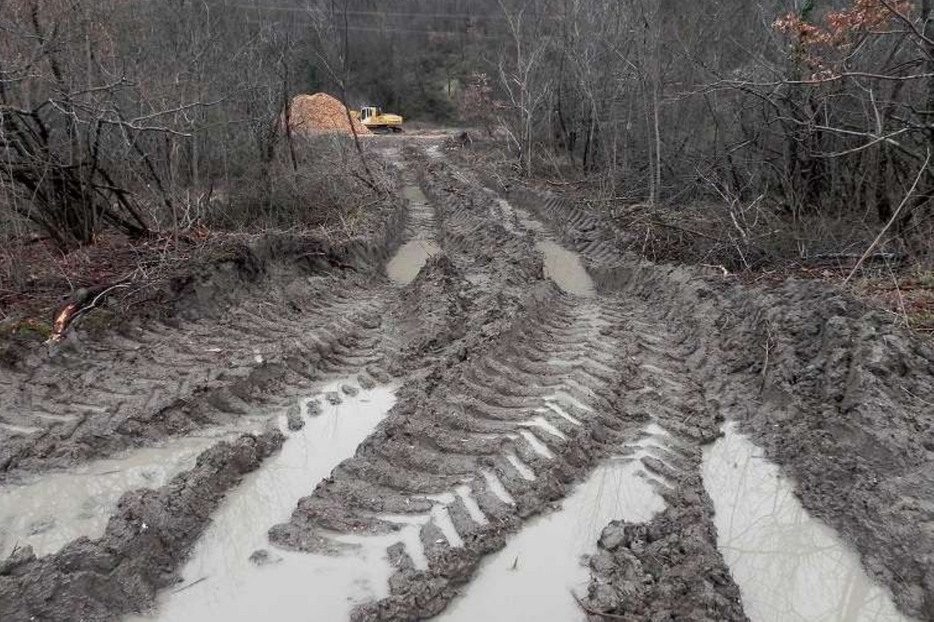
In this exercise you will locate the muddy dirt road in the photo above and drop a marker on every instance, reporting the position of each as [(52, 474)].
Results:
[(484, 409)]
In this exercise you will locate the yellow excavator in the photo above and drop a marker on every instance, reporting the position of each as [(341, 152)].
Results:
[(378, 121)]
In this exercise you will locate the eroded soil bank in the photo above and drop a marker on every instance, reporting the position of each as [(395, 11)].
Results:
[(521, 374)]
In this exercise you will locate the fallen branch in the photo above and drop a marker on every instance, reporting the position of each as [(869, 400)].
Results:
[(82, 303), (659, 223), (192, 584), (895, 215)]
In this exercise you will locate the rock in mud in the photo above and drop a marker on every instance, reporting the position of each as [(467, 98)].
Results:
[(146, 541), (613, 535), (314, 408), (334, 398), (379, 375), (263, 557), (349, 390), (294, 418)]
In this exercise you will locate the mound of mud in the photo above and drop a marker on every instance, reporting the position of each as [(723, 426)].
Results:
[(668, 568), (321, 113)]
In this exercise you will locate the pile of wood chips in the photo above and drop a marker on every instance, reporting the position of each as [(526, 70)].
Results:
[(321, 113)]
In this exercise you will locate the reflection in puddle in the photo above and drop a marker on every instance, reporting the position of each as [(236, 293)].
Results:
[(220, 581), (50, 510), (532, 578), (565, 269), (788, 565)]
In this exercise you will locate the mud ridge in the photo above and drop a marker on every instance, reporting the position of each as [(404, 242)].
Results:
[(146, 540), (836, 394), (541, 387), (668, 568)]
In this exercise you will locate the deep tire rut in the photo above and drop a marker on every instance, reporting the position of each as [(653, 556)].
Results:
[(511, 392), (163, 380), (544, 387)]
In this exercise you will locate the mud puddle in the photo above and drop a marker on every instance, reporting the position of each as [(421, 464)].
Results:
[(565, 269), (410, 259), (50, 510), (562, 266), (221, 582), (788, 565), (532, 578), (411, 256)]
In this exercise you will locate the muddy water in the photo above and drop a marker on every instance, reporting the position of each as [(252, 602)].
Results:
[(788, 565), (409, 260), (220, 581), (53, 509), (565, 269), (411, 256), (532, 578), (562, 266)]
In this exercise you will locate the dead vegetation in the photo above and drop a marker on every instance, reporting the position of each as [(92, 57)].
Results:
[(326, 196), (754, 241)]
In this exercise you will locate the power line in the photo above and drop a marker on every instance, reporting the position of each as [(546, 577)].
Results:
[(375, 13), (379, 29), (426, 32)]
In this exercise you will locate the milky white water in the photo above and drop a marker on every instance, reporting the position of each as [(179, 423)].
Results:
[(410, 259), (220, 583), (532, 578), (789, 566), (50, 510)]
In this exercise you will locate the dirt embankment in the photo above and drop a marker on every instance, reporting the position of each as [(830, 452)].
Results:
[(195, 349)]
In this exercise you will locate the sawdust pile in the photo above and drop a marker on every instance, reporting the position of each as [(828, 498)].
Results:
[(319, 113)]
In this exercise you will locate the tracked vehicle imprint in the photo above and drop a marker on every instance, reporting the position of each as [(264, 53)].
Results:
[(484, 411), (234, 574), (537, 574), (405, 265)]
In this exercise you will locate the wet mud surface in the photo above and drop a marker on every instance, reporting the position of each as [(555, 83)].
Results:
[(551, 396), (146, 539)]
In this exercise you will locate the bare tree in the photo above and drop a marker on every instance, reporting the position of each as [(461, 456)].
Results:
[(522, 75)]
